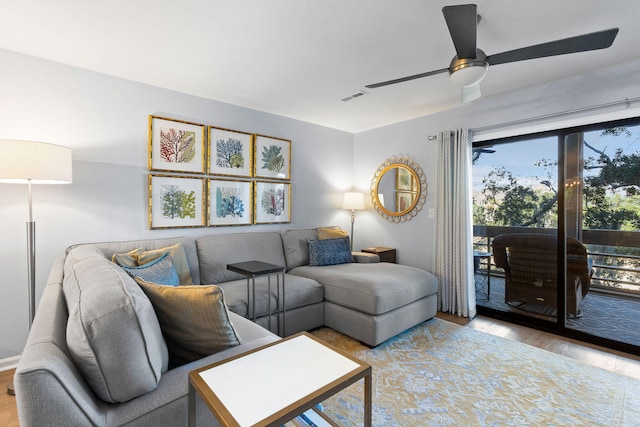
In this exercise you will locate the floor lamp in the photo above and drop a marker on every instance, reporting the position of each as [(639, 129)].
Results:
[(28, 162), (353, 201)]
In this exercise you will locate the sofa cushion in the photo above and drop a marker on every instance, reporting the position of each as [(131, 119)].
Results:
[(296, 249), (371, 288), (216, 251), (160, 270), (300, 292), (329, 252), (113, 334), (140, 256), (194, 319)]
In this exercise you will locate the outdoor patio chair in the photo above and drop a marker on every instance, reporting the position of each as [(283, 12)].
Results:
[(530, 267)]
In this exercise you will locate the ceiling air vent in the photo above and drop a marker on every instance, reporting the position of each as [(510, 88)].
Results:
[(358, 94)]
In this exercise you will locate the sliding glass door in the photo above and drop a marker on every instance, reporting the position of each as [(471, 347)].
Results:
[(557, 231), (515, 226), (602, 212)]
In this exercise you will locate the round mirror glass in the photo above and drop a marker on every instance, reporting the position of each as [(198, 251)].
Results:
[(398, 189)]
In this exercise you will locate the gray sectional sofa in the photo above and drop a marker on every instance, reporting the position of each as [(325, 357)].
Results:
[(96, 355)]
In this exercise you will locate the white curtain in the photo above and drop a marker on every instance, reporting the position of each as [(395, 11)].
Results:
[(454, 225)]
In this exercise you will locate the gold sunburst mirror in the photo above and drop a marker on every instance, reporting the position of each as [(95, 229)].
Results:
[(398, 189)]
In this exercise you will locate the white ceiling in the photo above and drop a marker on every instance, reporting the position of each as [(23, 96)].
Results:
[(299, 58)]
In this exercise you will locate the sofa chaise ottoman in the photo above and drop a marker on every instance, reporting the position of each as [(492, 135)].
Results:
[(370, 302)]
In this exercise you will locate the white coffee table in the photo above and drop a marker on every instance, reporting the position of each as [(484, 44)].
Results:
[(277, 382)]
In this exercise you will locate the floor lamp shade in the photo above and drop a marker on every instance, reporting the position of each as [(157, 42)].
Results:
[(38, 162)]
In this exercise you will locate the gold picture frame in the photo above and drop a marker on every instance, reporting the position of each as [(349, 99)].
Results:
[(176, 201), (230, 152), (230, 202), (272, 202), (176, 146), (272, 158)]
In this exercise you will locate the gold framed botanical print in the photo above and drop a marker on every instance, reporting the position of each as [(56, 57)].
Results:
[(230, 202), (230, 152), (176, 201), (272, 158), (176, 146), (272, 202)]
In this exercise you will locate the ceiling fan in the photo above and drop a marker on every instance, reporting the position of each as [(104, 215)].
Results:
[(470, 65)]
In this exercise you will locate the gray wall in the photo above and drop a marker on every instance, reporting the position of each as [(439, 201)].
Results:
[(104, 120)]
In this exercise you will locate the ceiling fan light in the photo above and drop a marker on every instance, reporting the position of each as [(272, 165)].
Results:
[(469, 71), (469, 75)]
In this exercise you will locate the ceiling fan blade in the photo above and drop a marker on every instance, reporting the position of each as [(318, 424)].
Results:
[(583, 43), (470, 93), (405, 79), (462, 21)]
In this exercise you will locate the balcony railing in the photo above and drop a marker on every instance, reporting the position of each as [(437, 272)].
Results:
[(616, 255)]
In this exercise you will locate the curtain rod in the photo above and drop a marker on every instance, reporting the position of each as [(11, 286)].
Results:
[(626, 102)]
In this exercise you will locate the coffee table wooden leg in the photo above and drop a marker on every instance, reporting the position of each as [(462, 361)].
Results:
[(192, 406), (367, 401)]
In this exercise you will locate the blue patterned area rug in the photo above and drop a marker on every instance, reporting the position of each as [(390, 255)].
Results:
[(442, 374)]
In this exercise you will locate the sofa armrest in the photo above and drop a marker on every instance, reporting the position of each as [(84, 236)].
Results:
[(365, 258)]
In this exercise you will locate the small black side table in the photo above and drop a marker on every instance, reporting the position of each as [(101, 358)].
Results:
[(253, 269), (477, 258)]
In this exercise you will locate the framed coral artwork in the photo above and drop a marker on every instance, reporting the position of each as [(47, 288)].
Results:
[(230, 202), (272, 202), (176, 201), (272, 158), (176, 146), (230, 152)]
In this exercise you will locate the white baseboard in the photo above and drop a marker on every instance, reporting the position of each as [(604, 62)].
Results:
[(9, 363)]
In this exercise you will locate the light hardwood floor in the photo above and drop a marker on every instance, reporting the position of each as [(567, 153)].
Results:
[(593, 355), (611, 360), (8, 411)]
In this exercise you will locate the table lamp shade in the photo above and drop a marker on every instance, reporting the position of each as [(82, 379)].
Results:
[(353, 201), (42, 163)]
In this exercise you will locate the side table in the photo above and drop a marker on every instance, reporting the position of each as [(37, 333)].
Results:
[(385, 254), (253, 269), (477, 259)]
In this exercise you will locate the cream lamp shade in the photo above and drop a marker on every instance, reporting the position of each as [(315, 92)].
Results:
[(38, 162), (353, 201)]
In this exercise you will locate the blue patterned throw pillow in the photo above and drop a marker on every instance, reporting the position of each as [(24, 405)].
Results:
[(329, 252), (160, 271)]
